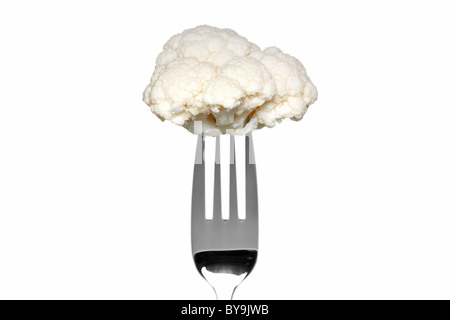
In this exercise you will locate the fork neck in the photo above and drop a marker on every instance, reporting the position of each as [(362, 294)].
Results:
[(224, 291)]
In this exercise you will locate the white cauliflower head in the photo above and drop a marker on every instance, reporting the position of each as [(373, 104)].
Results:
[(219, 78)]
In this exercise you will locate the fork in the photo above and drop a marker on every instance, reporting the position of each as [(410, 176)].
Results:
[(224, 245)]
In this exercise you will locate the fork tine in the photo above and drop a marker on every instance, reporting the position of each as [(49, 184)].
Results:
[(209, 144), (217, 203), (233, 181), (226, 162), (250, 182), (198, 188), (239, 156)]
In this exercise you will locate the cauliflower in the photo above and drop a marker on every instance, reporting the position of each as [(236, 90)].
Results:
[(219, 78)]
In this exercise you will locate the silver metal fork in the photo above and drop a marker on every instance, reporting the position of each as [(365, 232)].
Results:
[(225, 248)]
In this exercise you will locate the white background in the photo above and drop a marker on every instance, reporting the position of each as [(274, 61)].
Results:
[(95, 190)]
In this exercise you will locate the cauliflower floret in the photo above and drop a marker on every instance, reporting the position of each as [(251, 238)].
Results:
[(219, 78)]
